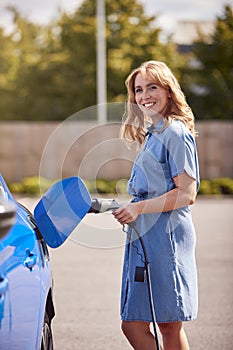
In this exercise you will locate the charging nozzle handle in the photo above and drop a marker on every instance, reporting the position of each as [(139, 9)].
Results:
[(103, 205)]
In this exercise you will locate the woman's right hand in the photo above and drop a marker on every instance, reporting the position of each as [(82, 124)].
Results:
[(127, 212)]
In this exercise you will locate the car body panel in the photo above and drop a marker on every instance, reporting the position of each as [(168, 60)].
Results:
[(25, 270)]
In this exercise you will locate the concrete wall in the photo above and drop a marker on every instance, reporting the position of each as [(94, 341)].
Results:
[(56, 150)]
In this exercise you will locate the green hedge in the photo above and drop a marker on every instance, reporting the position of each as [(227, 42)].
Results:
[(106, 186), (37, 185), (222, 185), (31, 185)]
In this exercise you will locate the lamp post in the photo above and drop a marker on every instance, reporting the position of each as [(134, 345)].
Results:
[(101, 62)]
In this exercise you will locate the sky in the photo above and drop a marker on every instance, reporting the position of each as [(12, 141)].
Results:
[(168, 12)]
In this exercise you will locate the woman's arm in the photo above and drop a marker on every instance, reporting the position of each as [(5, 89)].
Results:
[(183, 194)]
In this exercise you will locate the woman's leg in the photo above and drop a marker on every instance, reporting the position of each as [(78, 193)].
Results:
[(139, 335), (174, 337)]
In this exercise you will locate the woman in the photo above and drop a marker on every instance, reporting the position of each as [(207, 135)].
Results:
[(164, 182)]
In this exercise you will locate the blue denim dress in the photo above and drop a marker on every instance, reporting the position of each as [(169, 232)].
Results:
[(169, 237)]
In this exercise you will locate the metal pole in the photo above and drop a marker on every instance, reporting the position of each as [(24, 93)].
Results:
[(101, 62)]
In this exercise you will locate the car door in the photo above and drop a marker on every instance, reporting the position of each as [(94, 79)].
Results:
[(20, 281)]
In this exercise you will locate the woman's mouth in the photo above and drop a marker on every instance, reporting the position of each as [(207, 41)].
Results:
[(149, 104)]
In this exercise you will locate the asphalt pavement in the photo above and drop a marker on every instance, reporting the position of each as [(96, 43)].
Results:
[(87, 279)]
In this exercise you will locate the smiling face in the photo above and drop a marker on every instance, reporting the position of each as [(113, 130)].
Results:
[(151, 98)]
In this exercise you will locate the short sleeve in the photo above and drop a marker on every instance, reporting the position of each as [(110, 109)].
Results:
[(182, 155)]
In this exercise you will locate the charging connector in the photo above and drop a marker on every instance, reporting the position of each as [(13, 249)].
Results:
[(103, 205)]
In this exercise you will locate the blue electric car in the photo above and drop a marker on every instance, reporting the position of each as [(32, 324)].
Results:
[(26, 291)]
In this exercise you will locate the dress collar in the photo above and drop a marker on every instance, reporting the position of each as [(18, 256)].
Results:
[(153, 128)]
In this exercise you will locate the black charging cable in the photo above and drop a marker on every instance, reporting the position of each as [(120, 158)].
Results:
[(148, 277), (103, 205)]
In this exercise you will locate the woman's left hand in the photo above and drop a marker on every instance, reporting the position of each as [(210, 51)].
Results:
[(127, 213)]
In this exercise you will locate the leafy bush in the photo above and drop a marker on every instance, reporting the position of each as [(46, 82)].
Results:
[(222, 185), (206, 187), (105, 186), (31, 185), (37, 185)]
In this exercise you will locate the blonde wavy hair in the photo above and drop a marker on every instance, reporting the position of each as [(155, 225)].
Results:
[(133, 128)]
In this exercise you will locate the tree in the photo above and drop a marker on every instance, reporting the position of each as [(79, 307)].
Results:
[(210, 83), (133, 37), (7, 74), (23, 49), (55, 67)]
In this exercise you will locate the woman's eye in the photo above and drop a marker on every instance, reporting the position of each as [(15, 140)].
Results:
[(153, 87), (137, 90)]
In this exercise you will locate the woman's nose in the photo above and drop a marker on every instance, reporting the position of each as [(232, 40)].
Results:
[(146, 94)]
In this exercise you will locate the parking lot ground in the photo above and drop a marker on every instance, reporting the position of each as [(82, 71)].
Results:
[(87, 278)]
